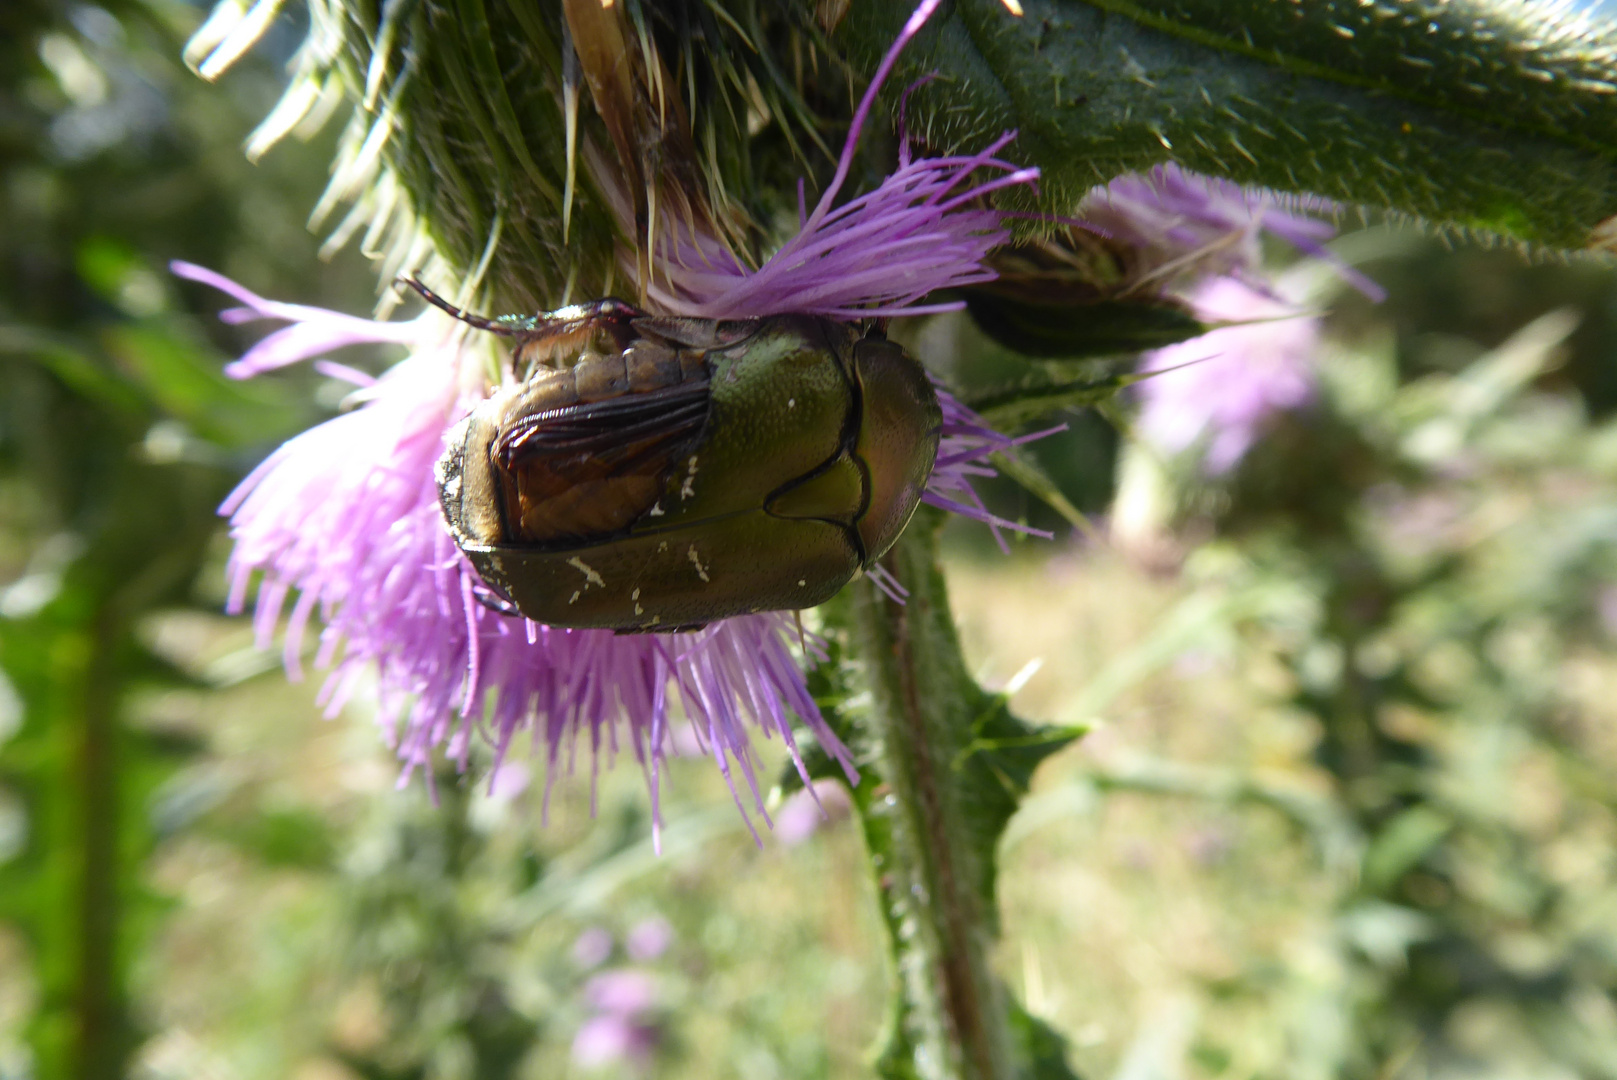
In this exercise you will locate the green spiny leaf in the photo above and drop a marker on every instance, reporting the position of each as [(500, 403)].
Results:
[(1494, 116)]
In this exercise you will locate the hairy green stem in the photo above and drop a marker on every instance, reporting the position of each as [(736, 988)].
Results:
[(922, 723)]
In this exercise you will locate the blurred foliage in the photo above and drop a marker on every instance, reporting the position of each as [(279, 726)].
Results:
[(1419, 570), (118, 438), (1432, 558)]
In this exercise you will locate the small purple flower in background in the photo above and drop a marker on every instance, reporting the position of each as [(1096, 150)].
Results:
[(1218, 391), (622, 990), (592, 948), (809, 810), (648, 939), (609, 1038), (624, 1024), (624, 1005)]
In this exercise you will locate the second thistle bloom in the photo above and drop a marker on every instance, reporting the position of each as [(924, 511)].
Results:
[(1200, 238)]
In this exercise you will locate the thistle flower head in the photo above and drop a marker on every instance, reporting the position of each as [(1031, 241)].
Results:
[(925, 228), (1182, 227), (343, 522)]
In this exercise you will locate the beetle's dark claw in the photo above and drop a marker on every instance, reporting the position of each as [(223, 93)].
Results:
[(495, 601)]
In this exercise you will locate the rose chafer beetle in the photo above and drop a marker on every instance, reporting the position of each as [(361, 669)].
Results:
[(655, 473)]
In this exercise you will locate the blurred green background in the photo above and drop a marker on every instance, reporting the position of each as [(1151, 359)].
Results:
[(1348, 809)]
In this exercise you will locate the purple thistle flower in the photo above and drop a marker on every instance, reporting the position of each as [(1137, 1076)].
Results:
[(622, 990), (346, 517), (1220, 390), (592, 948), (1183, 226), (612, 1037), (923, 229), (648, 939), (623, 1025)]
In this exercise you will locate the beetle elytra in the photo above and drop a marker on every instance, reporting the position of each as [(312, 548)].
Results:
[(655, 473)]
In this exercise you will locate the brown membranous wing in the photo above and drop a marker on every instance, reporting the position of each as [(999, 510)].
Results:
[(591, 470)]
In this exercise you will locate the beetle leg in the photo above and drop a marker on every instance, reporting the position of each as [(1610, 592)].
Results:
[(494, 600), (802, 640), (555, 332), (549, 333)]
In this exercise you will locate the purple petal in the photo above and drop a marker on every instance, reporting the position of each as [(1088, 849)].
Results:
[(347, 515), (625, 991), (648, 939), (1223, 388), (602, 1040), (921, 230), (1187, 227), (593, 948), (968, 443), (314, 331)]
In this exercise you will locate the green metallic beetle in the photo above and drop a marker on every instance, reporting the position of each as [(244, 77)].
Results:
[(655, 473)]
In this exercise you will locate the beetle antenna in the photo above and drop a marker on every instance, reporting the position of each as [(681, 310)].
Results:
[(802, 642), (481, 322), (879, 326)]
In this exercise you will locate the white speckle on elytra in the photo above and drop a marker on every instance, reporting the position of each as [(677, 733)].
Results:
[(590, 576), (638, 610), (574, 598), (688, 488), (802, 583), (452, 487), (498, 564), (655, 619), (656, 509), (701, 571), (635, 595), (791, 403), (663, 546)]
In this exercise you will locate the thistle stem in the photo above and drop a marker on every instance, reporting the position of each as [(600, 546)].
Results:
[(940, 919)]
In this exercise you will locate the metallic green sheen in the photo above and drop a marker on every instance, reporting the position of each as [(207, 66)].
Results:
[(775, 507)]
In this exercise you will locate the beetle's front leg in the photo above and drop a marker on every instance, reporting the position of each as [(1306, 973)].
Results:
[(547, 334), (495, 600)]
